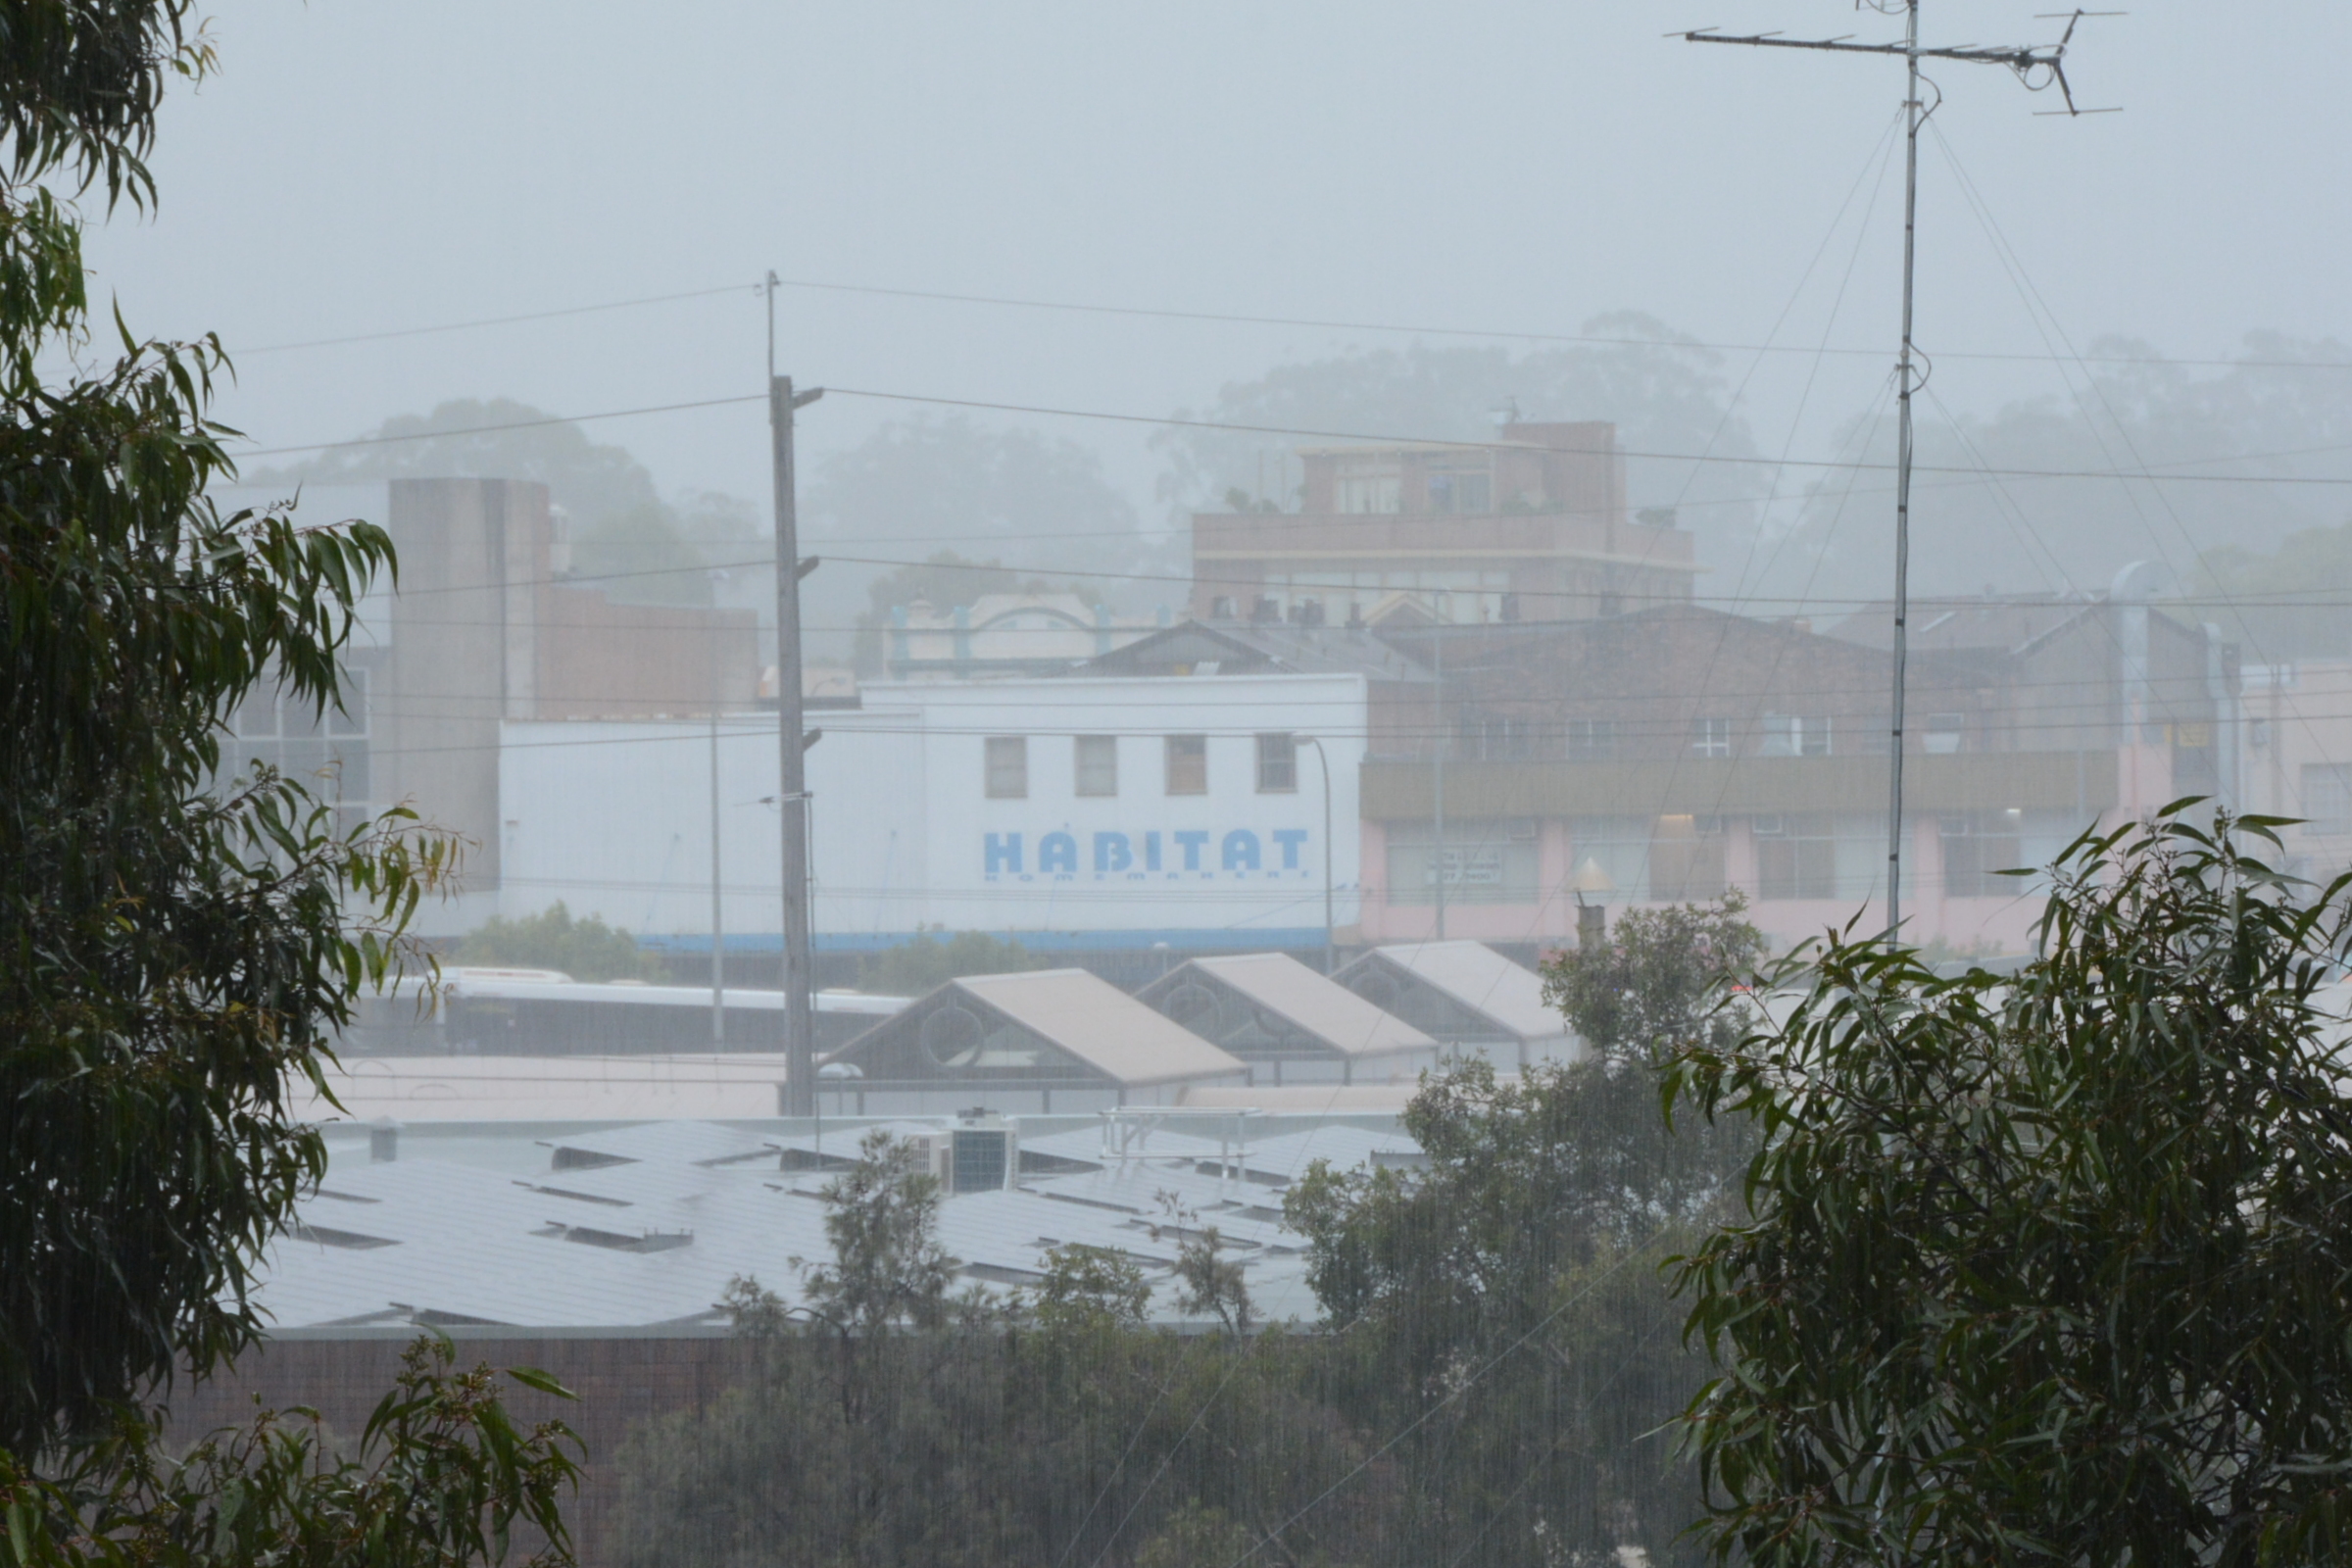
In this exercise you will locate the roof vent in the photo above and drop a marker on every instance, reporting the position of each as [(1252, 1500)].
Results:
[(644, 1242), (323, 1236)]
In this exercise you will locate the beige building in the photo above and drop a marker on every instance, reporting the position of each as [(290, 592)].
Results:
[(1531, 527), (2298, 758)]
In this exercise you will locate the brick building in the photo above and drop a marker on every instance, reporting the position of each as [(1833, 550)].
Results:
[(1682, 751), (1532, 526)]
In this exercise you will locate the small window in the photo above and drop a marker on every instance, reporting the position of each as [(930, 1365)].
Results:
[(1492, 738), (1007, 767), (352, 717), (2326, 798), (1592, 740), (1187, 765), (1098, 765), (1944, 733), (1277, 764), (1458, 490), (257, 714), (1794, 735), (1978, 846), (1711, 737)]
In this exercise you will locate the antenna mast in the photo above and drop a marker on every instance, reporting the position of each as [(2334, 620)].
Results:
[(2038, 69)]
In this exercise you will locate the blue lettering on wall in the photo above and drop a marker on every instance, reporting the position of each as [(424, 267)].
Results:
[(1241, 850), (1111, 852), (1003, 853), (1290, 838)]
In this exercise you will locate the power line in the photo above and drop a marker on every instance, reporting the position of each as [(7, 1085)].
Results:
[(1231, 317), (509, 425), (1343, 326), (2149, 472), (495, 321), (689, 728), (1966, 673)]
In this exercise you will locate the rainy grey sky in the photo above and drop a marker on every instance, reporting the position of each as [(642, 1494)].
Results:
[(1509, 166)]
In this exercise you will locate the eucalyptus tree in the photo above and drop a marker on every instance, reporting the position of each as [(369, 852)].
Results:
[(1504, 1305), (177, 949), (2053, 1267), (174, 947)]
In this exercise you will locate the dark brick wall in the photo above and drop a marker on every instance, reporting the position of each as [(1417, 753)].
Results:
[(620, 1382)]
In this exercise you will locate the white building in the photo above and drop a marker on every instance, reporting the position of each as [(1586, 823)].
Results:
[(1083, 812)]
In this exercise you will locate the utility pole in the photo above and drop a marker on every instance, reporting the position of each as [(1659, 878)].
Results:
[(2038, 69), (792, 784), (719, 960), (1439, 782)]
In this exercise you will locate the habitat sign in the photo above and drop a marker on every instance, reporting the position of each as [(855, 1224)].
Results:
[(1192, 855)]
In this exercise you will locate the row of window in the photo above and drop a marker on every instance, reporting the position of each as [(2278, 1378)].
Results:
[(1095, 766), (1676, 857), (1498, 738), (327, 753)]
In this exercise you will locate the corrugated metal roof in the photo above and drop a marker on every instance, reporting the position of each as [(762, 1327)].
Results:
[(460, 984), (1087, 1143), (609, 1247), (1331, 1014), (1304, 1100), (689, 1143), (1102, 1026), (1483, 981), (616, 1088)]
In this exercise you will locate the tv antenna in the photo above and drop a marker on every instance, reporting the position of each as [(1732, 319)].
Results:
[(2040, 67)]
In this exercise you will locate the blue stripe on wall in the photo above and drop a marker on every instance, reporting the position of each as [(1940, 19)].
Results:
[(1183, 941)]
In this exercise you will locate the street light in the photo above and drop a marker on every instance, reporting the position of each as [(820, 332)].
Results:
[(1592, 919), (1330, 948), (719, 940)]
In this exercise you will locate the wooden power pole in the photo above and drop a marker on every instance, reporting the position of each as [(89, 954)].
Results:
[(792, 743)]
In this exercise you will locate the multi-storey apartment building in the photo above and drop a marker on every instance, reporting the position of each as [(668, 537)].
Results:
[(1532, 526)]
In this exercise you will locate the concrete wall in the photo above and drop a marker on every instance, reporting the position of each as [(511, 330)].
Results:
[(481, 633), (473, 554)]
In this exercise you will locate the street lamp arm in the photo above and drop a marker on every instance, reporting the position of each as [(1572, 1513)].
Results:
[(1330, 930)]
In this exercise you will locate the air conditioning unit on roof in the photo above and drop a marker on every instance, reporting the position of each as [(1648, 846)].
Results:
[(981, 1153)]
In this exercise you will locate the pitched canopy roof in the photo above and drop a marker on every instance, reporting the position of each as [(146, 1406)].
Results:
[(1480, 979), (1101, 1026), (1096, 1027), (1343, 1021)]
